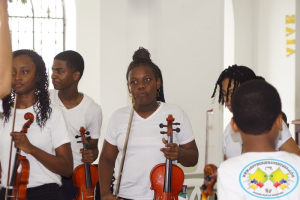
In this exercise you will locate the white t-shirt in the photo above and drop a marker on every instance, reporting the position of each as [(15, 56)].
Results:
[(87, 114), (232, 142), (143, 150), (260, 175), (52, 136)]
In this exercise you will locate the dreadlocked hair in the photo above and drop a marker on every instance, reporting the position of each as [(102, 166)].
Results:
[(42, 107), (237, 74), (141, 57)]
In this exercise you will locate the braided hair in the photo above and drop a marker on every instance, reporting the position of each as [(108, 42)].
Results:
[(42, 106), (141, 57), (237, 74)]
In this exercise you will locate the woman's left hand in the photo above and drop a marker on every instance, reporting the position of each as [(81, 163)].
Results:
[(171, 153)]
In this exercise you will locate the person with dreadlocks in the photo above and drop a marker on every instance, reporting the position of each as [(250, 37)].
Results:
[(79, 111), (47, 144), (229, 80), (5, 53), (146, 147)]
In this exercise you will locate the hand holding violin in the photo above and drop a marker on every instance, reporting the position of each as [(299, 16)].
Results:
[(22, 142), (87, 156), (171, 153)]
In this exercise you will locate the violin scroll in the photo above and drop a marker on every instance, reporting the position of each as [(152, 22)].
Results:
[(210, 178), (30, 117)]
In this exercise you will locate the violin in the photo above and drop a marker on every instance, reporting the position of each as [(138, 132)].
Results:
[(167, 178), (210, 170), (21, 167), (85, 176)]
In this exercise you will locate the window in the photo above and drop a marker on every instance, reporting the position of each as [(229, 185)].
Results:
[(38, 25)]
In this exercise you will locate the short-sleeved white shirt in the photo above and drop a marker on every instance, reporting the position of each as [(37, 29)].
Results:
[(260, 175), (232, 142), (52, 136), (143, 150), (86, 114)]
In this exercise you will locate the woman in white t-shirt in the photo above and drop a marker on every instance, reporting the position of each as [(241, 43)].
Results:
[(146, 148), (46, 144), (228, 81)]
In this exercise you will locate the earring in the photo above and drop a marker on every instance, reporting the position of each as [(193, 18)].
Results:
[(158, 90), (130, 95)]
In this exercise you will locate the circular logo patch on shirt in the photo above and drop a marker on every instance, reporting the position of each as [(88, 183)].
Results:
[(269, 178)]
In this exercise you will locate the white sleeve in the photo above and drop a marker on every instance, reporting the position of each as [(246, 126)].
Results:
[(111, 136), (95, 122), (283, 136), (226, 185), (232, 143), (186, 132), (225, 135), (59, 131)]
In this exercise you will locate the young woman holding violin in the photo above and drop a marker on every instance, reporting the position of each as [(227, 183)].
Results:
[(146, 147), (46, 145)]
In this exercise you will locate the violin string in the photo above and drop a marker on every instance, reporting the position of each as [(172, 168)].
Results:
[(11, 143)]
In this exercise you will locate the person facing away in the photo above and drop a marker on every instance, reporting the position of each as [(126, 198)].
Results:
[(79, 111), (229, 80), (47, 144), (5, 53), (261, 172), (146, 147)]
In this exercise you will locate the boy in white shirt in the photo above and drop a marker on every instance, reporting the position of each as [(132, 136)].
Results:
[(79, 111), (261, 172)]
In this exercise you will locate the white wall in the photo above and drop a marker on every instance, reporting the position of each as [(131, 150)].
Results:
[(261, 42), (185, 39)]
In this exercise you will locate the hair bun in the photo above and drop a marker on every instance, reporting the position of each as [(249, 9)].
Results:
[(141, 53)]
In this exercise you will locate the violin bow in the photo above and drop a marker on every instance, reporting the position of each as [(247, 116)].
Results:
[(124, 152), (209, 112), (11, 144), (210, 170)]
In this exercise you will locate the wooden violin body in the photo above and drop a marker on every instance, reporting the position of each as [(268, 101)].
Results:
[(85, 176), (85, 189), (166, 178), (157, 177), (21, 168), (21, 179)]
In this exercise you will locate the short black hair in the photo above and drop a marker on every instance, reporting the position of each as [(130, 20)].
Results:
[(74, 60), (238, 74), (255, 106)]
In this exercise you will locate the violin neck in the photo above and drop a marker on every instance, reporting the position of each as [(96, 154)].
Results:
[(14, 171), (168, 171)]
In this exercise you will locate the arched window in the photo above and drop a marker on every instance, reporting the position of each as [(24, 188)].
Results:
[(38, 25)]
